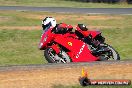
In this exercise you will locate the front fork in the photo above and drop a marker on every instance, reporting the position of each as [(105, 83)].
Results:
[(57, 50)]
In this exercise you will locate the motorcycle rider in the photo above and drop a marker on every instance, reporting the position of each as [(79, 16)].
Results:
[(63, 28), (48, 21), (60, 28)]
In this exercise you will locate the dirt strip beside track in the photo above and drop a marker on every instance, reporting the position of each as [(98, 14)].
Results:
[(46, 76)]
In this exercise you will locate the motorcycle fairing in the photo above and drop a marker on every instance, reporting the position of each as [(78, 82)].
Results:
[(78, 50), (84, 55), (46, 38)]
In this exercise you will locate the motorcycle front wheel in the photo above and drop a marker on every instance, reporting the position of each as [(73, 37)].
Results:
[(52, 57), (49, 54)]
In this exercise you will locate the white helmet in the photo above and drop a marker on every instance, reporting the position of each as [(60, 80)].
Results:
[(48, 21)]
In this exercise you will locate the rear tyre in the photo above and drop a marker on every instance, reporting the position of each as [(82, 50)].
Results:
[(112, 54)]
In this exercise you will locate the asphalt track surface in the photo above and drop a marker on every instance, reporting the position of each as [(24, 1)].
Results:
[(67, 65), (71, 10)]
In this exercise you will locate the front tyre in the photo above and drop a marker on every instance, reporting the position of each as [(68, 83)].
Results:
[(49, 54), (52, 57)]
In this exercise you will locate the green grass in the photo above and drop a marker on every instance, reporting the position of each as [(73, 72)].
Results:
[(19, 47), (17, 18), (78, 86), (61, 3), (121, 40)]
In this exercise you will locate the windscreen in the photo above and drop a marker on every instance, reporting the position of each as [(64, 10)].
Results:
[(46, 29)]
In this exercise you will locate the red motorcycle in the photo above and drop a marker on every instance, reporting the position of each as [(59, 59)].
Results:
[(75, 47)]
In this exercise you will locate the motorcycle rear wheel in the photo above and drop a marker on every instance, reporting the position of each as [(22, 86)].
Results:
[(113, 54)]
